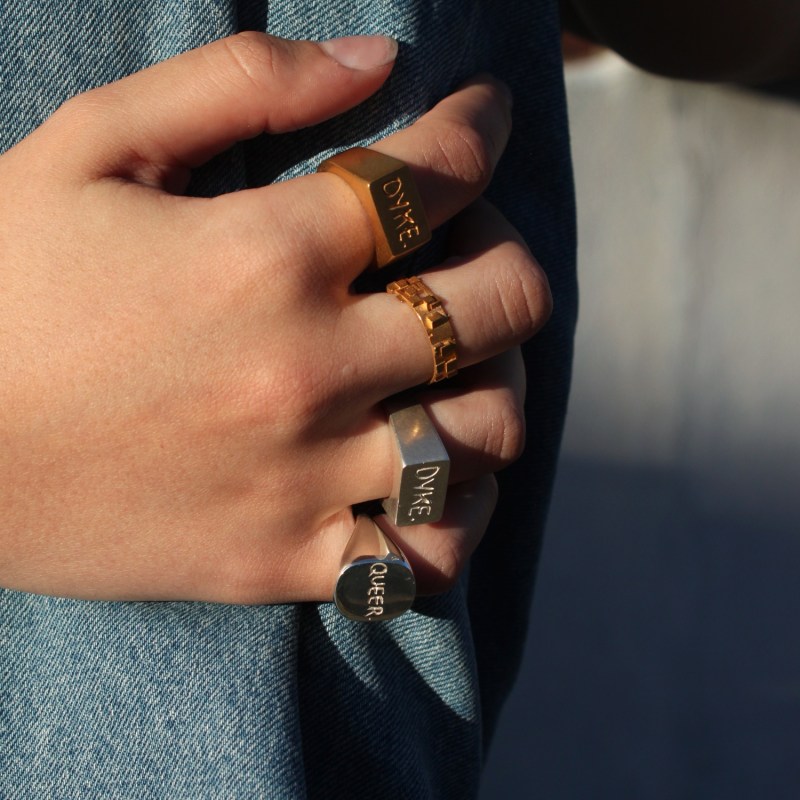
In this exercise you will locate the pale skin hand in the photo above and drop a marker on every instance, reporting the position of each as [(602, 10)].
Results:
[(191, 398)]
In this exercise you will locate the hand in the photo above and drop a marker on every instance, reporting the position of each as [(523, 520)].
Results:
[(191, 395)]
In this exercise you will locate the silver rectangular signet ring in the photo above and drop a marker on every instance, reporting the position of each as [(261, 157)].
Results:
[(421, 470)]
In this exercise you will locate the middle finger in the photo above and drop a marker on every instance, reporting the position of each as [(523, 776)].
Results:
[(496, 294)]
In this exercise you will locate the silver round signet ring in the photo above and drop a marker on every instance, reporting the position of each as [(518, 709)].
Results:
[(376, 582)]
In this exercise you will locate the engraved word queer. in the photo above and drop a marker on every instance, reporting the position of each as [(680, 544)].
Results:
[(423, 491), (402, 212), (377, 589)]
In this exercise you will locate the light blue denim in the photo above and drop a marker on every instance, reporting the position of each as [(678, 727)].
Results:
[(193, 700)]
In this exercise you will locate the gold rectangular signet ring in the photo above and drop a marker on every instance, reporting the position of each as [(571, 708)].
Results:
[(386, 189)]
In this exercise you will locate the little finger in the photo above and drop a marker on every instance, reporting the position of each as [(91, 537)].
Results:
[(439, 552)]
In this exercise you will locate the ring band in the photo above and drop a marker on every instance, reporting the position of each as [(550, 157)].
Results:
[(427, 306), (421, 471), (376, 582), (386, 189)]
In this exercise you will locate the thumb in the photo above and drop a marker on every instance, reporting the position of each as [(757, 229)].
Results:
[(181, 112)]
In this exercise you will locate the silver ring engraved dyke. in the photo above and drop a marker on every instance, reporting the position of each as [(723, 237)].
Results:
[(376, 582), (421, 470)]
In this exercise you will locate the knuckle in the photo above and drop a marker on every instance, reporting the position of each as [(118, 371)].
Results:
[(72, 107), (91, 117), (299, 395), (505, 436), (79, 111), (83, 120), (540, 299), (248, 57), (464, 153), (512, 420), (525, 301), (284, 396)]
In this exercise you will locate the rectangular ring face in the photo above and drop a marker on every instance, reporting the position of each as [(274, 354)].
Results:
[(422, 471), (399, 207), (385, 188)]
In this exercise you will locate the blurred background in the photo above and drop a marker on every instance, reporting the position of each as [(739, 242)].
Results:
[(664, 652)]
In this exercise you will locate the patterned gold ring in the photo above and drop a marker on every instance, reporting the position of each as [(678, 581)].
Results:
[(386, 190), (428, 307)]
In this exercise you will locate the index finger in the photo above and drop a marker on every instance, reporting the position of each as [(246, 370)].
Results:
[(452, 152), (179, 113)]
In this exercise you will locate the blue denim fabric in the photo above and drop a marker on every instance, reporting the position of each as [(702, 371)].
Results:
[(194, 700)]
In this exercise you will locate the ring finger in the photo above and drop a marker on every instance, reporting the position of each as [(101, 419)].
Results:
[(481, 424)]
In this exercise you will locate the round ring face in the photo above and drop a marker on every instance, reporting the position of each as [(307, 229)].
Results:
[(375, 589), (386, 188), (376, 582)]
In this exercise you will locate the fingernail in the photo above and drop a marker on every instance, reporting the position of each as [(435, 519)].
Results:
[(361, 52)]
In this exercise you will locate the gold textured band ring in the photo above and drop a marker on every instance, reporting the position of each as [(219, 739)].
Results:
[(427, 306), (386, 189)]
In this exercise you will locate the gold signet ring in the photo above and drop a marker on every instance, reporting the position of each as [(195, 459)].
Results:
[(428, 307), (386, 189), (375, 582)]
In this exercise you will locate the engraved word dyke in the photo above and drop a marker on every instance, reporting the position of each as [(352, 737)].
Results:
[(402, 212), (423, 491), (377, 579)]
